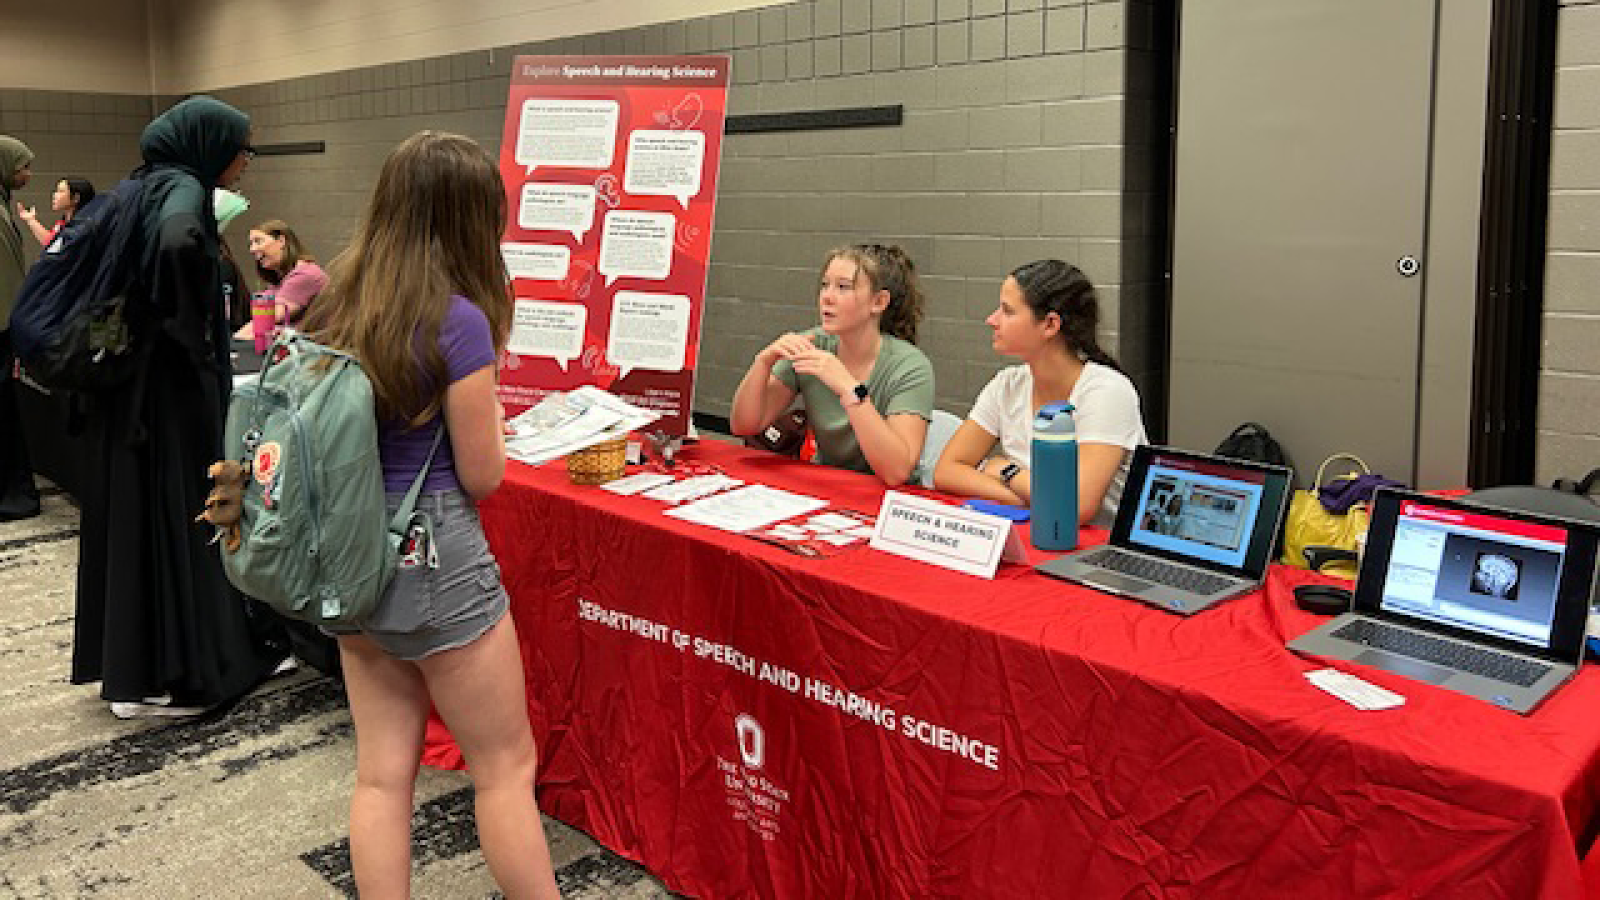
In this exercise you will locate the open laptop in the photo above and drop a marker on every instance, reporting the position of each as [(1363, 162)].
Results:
[(1192, 530), (1485, 601)]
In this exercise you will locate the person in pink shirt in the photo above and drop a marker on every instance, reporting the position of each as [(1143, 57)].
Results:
[(291, 277)]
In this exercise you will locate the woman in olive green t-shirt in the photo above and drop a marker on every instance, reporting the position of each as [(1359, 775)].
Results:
[(868, 390)]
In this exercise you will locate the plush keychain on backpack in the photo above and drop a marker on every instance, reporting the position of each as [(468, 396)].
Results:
[(224, 505)]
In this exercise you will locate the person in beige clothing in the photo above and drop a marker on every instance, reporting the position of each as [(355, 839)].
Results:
[(19, 499)]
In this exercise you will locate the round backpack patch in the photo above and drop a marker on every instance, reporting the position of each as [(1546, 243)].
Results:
[(268, 456)]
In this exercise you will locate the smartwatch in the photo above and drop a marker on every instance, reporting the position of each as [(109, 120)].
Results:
[(1009, 472), (856, 397)]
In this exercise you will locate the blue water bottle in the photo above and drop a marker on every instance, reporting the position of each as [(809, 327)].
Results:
[(1053, 478)]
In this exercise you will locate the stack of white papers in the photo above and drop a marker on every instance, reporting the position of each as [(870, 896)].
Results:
[(1354, 691), (833, 528), (563, 423), (747, 508), (691, 488), (831, 522), (638, 481)]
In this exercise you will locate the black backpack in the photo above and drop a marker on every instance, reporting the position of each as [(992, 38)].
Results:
[(73, 326), (1251, 441), (1565, 498)]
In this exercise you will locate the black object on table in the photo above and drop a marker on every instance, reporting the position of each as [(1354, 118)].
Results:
[(246, 361)]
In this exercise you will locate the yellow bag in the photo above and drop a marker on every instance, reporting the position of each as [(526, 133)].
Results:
[(1310, 525)]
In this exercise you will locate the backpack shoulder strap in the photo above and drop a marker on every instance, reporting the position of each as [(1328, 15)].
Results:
[(402, 516)]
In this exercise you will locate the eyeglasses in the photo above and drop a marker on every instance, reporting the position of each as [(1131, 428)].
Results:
[(249, 152)]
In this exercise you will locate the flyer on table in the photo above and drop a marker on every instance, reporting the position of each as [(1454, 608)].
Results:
[(610, 165)]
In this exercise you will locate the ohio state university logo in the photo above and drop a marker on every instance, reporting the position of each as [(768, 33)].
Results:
[(752, 740)]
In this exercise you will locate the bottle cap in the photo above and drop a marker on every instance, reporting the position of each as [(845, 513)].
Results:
[(1054, 418)]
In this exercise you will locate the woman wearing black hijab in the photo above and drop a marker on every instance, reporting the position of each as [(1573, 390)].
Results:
[(157, 622)]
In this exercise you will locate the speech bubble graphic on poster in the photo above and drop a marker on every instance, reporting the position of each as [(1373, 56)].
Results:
[(557, 207), (665, 163), (648, 331), (536, 262), (574, 133), (555, 330), (637, 245)]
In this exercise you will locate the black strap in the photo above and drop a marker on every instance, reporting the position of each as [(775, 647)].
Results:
[(1248, 428), (1586, 486), (1583, 488)]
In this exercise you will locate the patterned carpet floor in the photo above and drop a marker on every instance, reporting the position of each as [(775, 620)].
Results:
[(251, 804)]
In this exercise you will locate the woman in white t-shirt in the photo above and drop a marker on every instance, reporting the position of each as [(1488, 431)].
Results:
[(1047, 317)]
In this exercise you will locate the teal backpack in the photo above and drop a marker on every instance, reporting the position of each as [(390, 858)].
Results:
[(316, 545)]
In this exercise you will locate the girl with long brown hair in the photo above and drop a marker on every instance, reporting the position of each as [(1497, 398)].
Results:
[(420, 298), (868, 390)]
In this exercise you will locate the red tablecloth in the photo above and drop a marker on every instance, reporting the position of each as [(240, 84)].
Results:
[(749, 723)]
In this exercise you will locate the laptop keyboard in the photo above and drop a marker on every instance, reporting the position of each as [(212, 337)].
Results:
[(1452, 654), (1162, 573)]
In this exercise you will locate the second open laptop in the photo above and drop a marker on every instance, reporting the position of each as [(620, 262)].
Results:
[(1484, 601), (1192, 530)]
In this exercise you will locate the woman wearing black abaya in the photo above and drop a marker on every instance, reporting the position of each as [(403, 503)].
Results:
[(157, 622)]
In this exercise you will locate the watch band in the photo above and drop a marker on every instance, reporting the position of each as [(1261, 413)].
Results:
[(856, 397), (1008, 472)]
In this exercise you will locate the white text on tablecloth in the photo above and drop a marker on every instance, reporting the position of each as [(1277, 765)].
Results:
[(814, 689)]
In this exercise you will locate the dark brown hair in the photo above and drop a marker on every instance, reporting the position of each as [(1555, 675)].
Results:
[(1052, 286), (431, 230)]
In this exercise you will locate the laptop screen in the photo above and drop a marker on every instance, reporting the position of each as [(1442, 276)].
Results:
[(1479, 572), (1200, 509)]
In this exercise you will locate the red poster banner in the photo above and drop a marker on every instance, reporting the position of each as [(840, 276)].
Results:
[(610, 165)]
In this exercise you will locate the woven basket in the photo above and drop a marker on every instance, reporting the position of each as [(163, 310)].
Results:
[(598, 464)]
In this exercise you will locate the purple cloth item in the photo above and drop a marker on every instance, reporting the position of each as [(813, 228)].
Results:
[(1340, 494), (467, 346)]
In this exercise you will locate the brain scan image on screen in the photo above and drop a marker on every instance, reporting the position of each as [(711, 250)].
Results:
[(1496, 575)]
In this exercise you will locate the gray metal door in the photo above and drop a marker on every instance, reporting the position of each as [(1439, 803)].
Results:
[(1300, 202)]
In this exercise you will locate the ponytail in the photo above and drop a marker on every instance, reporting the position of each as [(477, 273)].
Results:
[(1052, 286)]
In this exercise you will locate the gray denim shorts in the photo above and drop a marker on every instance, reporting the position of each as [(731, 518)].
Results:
[(430, 607)]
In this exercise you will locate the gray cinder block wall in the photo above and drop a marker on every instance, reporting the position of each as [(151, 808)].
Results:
[(1569, 380), (1026, 134), (73, 135), (1013, 148), (1016, 144)]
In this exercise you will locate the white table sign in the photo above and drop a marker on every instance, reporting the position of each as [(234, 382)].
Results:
[(943, 535)]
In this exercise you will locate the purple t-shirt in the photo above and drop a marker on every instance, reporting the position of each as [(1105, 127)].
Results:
[(467, 346)]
